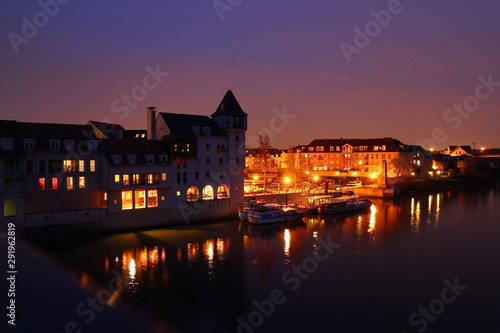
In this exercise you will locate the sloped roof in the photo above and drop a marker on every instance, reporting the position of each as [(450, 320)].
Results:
[(390, 143), (139, 148), (229, 106), (181, 125), (43, 132)]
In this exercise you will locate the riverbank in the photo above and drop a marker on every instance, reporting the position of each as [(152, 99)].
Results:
[(432, 185)]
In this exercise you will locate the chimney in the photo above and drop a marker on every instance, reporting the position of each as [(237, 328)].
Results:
[(151, 123)]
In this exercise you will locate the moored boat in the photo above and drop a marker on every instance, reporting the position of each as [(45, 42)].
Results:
[(245, 207), (272, 213), (343, 204)]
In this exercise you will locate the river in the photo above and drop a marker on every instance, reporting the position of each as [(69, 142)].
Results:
[(428, 262)]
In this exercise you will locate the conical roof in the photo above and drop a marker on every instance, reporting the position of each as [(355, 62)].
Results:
[(229, 105)]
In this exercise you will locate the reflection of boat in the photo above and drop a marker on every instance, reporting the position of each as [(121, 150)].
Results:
[(272, 213), (244, 207), (343, 204)]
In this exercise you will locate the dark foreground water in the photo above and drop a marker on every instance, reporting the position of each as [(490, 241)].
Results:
[(424, 263)]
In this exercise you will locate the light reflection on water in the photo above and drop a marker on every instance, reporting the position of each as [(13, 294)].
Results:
[(189, 269)]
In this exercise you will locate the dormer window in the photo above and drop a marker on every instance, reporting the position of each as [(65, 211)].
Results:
[(69, 145), (54, 144), (163, 159), (206, 130), (150, 159), (29, 144), (7, 143), (92, 145), (117, 159), (131, 159), (196, 130)]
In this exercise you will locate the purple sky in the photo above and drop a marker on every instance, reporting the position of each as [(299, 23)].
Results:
[(275, 55)]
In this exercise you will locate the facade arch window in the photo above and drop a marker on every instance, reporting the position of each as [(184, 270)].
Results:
[(222, 192), (208, 193), (192, 194)]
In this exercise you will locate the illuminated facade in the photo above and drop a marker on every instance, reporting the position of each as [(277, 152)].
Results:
[(58, 179)]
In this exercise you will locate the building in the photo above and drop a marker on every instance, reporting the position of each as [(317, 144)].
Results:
[(59, 179), (361, 158)]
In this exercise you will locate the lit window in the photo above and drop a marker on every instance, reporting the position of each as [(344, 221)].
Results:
[(117, 178), (69, 165), (41, 184), (104, 202), (127, 200), (81, 182), (192, 194), (55, 183), (178, 193), (126, 179), (81, 166), (222, 192), (208, 193), (92, 165), (153, 198), (69, 183), (164, 176), (140, 201)]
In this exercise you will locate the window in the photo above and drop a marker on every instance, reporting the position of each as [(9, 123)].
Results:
[(55, 144), (117, 159), (163, 159), (192, 194), (41, 184), (41, 167), (81, 166), (208, 193), (69, 165), (127, 200), (131, 159), (55, 183), (140, 199), (153, 178), (207, 146), (29, 166), (222, 192), (337, 148), (29, 144), (184, 177), (104, 202), (196, 175), (207, 160), (220, 160), (69, 183), (207, 174), (153, 198), (237, 161), (237, 137), (150, 159), (55, 166), (69, 145), (81, 182), (126, 179), (92, 165), (178, 162), (7, 143), (164, 176), (178, 177), (117, 178)]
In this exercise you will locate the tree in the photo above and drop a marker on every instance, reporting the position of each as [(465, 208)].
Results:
[(264, 156)]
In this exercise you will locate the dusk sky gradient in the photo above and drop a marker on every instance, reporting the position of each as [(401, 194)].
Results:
[(281, 55)]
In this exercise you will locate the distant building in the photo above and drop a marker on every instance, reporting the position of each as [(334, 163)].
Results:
[(58, 179)]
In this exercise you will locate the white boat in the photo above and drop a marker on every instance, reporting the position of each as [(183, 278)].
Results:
[(245, 207), (343, 204), (272, 213), (312, 203)]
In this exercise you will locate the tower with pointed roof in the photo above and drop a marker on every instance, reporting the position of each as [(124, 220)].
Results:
[(233, 120)]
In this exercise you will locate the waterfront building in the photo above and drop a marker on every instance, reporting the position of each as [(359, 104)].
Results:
[(60, 179), (362, 158)]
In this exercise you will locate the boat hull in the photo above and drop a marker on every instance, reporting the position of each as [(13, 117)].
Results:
[(337, 209)]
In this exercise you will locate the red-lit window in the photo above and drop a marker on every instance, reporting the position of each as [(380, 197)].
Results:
[(69, 183), (41, 184), (55, 183), (81, 182)]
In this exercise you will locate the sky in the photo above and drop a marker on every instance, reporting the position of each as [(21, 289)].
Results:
[(424, 72)]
